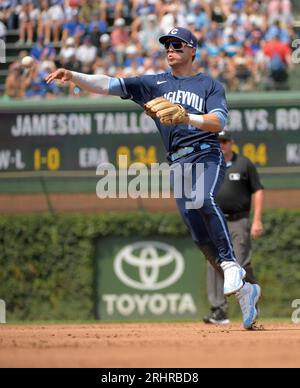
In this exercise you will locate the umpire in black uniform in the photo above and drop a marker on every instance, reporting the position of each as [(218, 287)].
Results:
[(241, 184)]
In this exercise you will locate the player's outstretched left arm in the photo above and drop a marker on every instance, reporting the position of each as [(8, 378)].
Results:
[(99, 83), (173, 114)]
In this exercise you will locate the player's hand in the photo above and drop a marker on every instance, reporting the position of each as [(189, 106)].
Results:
[(257, 229), (167, 112), (60, 74)]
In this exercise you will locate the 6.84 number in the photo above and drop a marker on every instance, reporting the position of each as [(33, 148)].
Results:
[(257, 154)]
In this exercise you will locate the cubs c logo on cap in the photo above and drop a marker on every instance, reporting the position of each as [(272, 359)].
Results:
[(174, 31)]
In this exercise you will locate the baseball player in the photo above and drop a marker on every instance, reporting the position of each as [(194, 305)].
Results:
[(189, 110)]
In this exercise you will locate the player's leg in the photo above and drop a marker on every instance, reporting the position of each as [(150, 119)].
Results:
[(214, 220), (215, 282), (248, 295), (215, 231), (241, 239), (192, 220), (199, 234), (206, 221)]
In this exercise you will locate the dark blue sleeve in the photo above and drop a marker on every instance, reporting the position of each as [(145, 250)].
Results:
[(216, 100), (139, 89)]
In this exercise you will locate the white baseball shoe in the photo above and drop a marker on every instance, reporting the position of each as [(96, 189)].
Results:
[(248, 297), (233, 277)]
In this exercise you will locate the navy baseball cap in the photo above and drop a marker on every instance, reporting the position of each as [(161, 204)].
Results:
[(182, 34)]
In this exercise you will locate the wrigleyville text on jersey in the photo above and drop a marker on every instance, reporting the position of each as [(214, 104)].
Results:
[(186, 98)]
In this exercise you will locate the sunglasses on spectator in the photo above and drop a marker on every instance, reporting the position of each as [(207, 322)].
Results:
[(176, 45)]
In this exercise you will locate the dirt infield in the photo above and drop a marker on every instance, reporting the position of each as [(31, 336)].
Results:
[(89, 202), (149, 345)]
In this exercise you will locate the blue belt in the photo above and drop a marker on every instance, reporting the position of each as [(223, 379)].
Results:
[(187, 151)]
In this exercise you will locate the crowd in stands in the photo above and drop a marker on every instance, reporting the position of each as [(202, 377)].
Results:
[(243, 43)]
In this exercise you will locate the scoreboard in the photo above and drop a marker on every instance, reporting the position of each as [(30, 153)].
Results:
[(75, 136)]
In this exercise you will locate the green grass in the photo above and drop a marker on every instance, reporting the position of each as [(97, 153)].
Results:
[(284, 320)]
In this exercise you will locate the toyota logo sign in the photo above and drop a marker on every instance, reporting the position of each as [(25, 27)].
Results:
[(150, 261)]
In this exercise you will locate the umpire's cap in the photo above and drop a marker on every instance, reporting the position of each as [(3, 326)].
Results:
[(225, 135), (182, 34)]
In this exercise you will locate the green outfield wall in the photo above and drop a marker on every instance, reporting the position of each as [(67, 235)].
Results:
[(56, 145), (137, 266)]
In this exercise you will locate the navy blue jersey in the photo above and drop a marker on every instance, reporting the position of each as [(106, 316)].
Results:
[(198, 94)]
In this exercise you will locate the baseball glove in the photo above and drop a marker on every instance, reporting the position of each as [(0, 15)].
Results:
[(167, 112)]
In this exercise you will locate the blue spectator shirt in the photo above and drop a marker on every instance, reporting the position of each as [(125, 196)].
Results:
[(101, 26), (74, 28), (201, 21)]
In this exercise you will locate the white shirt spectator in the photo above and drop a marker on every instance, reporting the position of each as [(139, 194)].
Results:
[(171, 19), (3, 30), (86, 53), (32, 16), (68, 52), (149, 35), (56, 13)]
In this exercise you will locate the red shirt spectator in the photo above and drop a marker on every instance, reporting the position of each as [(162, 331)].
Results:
[(275, 46), (119, 36)]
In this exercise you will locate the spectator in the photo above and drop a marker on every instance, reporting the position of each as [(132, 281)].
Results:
[(3, 31), (7, 13), (41, 52), (286, 11), (134, 62), (120, 39), (202, 21), (104, 45), (213, 46), (148, 36), (113, 9), (73, 28), (236, 37), (57, 17), (244, 71), (67, 56), (96, 27), (35, 84), (172, 18), (86, 53), (107, 64), (87, 9), (37, 49), (203, 61), (278, 10), (232, 46), (254, 45), (279, 55), (217, 11), (44, 22), (277, 30), (28, 19), (14, 86)]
